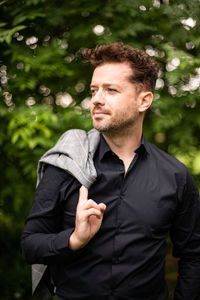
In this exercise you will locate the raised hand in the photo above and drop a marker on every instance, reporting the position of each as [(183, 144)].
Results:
[(89, 216)]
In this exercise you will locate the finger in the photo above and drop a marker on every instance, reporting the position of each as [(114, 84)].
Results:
[(93, 212), (83, 194), (91, 204), (102, 207)]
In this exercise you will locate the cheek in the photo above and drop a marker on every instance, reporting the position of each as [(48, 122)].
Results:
[(91, 105), (115, 102), (132, 105), (125, 105)]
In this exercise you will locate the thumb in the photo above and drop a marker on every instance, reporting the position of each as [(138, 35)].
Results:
[(83, 194)]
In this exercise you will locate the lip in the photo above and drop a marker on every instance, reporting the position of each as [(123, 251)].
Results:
[(99, 113)]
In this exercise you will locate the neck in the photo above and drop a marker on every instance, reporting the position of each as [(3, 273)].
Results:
[(124, 142)]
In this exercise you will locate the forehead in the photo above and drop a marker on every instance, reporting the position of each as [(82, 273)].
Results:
[(112, 72)]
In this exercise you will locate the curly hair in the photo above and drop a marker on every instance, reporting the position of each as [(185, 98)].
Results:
[(145, 69)]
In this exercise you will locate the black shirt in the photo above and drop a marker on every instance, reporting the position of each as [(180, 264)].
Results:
[(126, 258)]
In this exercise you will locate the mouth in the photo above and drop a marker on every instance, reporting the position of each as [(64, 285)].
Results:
[(99, 113)]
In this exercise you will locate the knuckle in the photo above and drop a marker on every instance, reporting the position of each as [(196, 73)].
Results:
[(95, 211), (90, 201)]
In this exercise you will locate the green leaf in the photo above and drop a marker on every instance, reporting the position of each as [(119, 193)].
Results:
[(6, 35)]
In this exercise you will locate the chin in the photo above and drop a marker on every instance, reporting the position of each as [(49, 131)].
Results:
[(98, 125), (103, 129)]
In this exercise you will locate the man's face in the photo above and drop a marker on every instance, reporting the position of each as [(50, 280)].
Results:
[(114, 104)]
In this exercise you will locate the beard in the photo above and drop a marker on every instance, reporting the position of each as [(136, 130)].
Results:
[(116, 124)]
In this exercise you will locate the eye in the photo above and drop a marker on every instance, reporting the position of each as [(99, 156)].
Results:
[(112, 90), (92, 91)]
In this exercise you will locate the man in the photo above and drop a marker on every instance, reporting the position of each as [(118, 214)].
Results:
[(109, 242)]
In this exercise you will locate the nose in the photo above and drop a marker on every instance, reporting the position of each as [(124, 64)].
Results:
[(98, 98)]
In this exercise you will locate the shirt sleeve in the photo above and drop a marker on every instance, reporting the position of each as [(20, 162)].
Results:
[(185, 236), (43, 241)]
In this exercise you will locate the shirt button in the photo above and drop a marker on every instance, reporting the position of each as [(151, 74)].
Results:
[(121, 169)]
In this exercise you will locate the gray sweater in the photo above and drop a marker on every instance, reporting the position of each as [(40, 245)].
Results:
[(73, 152)]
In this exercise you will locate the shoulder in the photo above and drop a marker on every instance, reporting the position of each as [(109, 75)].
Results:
[(172, 169), (53, 180), (54, 175), (165, 161)]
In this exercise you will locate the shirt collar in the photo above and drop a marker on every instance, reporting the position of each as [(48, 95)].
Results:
[(104, 148), (143, 146)]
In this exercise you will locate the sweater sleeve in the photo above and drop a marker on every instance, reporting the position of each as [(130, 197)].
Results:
[(43, 241)]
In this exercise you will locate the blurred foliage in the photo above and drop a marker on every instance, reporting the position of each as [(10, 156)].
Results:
[(44, 91)]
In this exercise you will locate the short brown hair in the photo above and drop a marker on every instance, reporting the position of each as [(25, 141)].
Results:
[(145, 69)]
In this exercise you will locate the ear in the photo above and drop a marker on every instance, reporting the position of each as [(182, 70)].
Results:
[(145, 100)]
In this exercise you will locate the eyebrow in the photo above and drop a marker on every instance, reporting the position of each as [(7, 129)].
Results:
[(106, 85)]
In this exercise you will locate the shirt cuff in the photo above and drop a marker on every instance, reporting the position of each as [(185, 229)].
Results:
[(61, 243)]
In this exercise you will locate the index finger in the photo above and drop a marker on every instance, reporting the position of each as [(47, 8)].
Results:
[(83, 194)]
